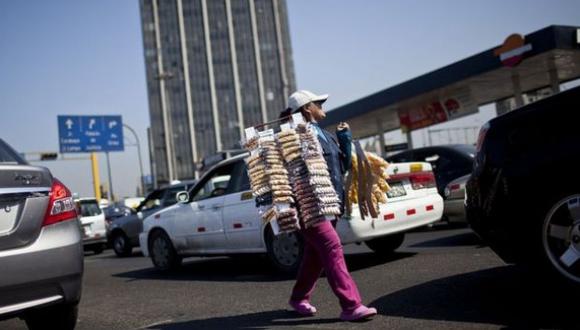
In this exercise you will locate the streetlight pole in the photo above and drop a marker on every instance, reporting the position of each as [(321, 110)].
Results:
[(142, 179), (111, 194), (167, 122)]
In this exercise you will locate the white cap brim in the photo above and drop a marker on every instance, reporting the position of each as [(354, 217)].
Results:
[(322, 98), (300, 98), (319, 98)]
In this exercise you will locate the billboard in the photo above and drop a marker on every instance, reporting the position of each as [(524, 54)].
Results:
[(438, 109)]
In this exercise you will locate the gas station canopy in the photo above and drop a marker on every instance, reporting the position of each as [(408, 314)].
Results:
[(545, 58)]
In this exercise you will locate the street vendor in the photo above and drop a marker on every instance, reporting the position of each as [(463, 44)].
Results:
[(322, 246)]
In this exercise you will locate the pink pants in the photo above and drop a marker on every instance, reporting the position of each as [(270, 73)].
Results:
[(323, 250)]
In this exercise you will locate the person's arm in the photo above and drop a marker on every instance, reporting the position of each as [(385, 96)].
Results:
[(344, 137)]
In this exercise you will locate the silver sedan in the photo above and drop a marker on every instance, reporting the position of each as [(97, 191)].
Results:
[(41, 254)]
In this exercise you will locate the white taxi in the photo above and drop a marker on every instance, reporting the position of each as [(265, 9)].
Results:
[(92, 219), (218, 216)]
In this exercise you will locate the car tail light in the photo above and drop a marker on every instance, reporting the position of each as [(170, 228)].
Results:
[(422, 180), (61, 206), (481, 137), (454, 187)]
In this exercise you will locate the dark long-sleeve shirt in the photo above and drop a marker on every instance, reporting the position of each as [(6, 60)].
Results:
[(337, 153)]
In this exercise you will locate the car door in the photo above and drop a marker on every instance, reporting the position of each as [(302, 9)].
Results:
[(200, 222), (242, 222)]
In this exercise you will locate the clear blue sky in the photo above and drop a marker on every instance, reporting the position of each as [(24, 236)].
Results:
[(86, 57)]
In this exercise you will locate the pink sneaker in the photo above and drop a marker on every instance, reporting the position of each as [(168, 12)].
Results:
[(303, 307), (360, 313)]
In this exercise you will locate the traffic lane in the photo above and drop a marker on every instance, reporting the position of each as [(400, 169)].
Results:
[(222, 293), (440, 279)]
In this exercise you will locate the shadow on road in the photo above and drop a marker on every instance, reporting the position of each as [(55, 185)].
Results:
[(261, 320), (246, 269), (500, 296), (134, 254), (463, 239)]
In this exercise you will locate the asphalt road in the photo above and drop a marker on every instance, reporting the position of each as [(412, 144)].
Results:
[(441, 278)]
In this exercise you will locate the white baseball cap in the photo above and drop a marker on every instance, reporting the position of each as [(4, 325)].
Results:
[(303, 97)]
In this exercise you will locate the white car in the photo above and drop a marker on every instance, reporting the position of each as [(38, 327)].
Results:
[(93, 225), (218, 216)]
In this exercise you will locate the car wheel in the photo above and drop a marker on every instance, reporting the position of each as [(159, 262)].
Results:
[(386, 244), (53, 317), (561, 238), (284, 250), (121, 245), (162, 252)]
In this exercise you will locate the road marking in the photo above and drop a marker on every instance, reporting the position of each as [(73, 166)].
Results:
[(155, 324)]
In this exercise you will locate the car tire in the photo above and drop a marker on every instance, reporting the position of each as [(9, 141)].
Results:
[(560, 239), (121, 245), (386, 244), (284, 250), (162, 251), (62, 316)]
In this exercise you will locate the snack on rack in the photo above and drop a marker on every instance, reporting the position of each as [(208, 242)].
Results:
[(314, 192), (269, 179), (374, 178)]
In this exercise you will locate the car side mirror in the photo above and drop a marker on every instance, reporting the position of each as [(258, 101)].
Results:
[(140, 215), (182, 197)]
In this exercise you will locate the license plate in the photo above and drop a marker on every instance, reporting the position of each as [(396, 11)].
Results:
[(8, 214), (397, 190)]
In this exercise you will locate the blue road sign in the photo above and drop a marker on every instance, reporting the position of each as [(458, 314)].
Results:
[(90, 133)]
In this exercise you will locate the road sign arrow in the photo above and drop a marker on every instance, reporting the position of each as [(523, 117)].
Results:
[(112, 124), (69, 123), (92, 123)]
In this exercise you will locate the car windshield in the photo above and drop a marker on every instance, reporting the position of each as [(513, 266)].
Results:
[(152, 201), (89, 208)]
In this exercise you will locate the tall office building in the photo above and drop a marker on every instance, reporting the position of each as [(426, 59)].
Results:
[(213, 68)]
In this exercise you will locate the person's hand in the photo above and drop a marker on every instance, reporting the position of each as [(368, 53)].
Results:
[(342, 126)]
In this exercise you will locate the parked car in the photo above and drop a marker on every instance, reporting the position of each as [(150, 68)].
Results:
[(93, 224), (123, 232), (454, 200), (41, 255), (449, 162), (218, 216), (523, 197)]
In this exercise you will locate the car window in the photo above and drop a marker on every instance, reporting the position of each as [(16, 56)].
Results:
[(8, 155), (89, 208), (152, 201), (215, 183), (240, 181)]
